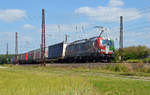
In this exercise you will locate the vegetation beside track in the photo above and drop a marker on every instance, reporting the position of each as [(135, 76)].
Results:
[(35, 80), (134, 54), (3, 59)]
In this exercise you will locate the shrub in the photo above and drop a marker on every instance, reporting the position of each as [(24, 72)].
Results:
[(146, 60), (133, 52), (3, 59)]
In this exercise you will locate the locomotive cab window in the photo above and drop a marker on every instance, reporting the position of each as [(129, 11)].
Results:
[(107, 42)]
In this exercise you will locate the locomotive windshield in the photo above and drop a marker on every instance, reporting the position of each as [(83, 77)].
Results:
[(107, 43)]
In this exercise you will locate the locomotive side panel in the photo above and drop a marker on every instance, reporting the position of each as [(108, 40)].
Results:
[(96, 48), (81, 49)]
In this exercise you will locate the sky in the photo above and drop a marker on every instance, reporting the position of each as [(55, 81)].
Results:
[(75, 18)]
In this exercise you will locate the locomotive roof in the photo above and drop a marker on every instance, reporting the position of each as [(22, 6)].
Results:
[(83, 40)]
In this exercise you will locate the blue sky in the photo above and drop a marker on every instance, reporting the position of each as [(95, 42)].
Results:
[(63, 16)]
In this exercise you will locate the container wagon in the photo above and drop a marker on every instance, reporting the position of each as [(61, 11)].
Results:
[(57, 52)]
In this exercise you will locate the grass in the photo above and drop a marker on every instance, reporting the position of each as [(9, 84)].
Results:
[(20, 82), (34, 80), (119, 69), (112, 86)]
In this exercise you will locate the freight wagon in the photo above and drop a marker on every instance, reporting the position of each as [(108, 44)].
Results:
[(86, 50), (33, 56)]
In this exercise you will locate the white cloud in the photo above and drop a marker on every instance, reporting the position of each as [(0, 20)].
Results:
[(110, 13), (11, 15), (114, 3), (29, 27)]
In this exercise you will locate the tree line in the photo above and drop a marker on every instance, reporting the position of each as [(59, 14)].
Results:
[(133, 53)]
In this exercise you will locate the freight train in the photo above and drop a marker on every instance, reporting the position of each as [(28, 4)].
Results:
[(86, 50)]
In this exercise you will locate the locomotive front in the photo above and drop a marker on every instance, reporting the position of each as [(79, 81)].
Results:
[(105, 47)]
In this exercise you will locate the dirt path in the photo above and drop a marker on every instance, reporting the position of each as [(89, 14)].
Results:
[(121, 76), (2, 67), (142, 78)]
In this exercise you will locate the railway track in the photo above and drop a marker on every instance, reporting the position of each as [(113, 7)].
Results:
[(79, 64), (83, 64), (73, 64)]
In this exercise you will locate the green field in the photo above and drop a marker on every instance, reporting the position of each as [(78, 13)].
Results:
[(34, 80)]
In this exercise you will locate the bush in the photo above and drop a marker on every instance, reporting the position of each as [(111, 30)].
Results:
[(146, 60), (133, 52), (3, 59)]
